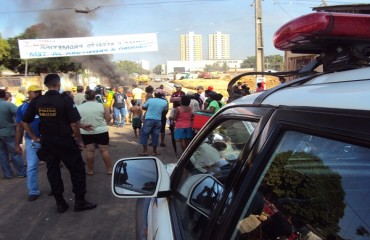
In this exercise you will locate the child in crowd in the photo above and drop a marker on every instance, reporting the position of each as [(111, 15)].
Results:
[(136, 116)]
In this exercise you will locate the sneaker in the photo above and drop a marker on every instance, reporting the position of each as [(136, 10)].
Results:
[(22, 176), (84, 205), (61, 208), (32, 198)]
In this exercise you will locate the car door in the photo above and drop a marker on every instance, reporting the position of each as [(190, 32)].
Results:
[(207, 169), (306, 177)]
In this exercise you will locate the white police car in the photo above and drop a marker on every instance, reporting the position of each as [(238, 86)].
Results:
[(289, 163)]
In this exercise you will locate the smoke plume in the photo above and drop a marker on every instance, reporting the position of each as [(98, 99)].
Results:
[(67, 22)]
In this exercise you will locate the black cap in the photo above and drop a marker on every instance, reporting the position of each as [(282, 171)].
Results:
[(50, 77)]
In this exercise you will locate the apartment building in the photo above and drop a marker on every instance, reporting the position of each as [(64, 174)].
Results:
[(191, 47), (218, 46)]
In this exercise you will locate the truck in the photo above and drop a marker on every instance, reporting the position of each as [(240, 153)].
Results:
[(142, 79)]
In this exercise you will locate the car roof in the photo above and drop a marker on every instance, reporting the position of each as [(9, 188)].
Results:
[(339, 90)]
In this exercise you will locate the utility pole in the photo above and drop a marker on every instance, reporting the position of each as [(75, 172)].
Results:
[(260, 59)]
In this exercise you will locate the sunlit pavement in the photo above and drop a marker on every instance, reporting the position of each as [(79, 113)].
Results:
[(114, 218)]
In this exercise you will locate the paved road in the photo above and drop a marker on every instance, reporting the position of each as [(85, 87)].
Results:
[(113, 219)]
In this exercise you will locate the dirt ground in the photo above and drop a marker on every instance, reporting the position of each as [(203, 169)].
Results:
[(114, 218)]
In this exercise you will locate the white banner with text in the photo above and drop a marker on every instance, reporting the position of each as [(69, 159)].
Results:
[(63, 47)]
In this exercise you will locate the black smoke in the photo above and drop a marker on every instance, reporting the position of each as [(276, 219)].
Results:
[(63, 19)]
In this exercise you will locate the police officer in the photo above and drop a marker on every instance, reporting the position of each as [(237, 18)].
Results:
[(59, 121)]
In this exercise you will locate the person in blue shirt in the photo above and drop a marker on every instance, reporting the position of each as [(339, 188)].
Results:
[(31, 146), (152, 123)]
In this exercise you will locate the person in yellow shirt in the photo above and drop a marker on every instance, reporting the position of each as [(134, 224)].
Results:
[(109, 97), (20, 98)]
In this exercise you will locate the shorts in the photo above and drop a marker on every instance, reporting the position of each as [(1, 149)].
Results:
[(150, 127), (136, 122), (183, 133), (100, 139)]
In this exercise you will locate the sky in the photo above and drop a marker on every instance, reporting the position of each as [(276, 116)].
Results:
[(168, 18)]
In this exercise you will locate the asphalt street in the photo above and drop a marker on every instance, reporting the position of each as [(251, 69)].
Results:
[(114, 218)]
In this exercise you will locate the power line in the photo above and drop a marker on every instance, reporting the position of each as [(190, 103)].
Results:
[(318, 2), (109, 6), (162, 2), (291, 2), (285, 11), (37, 10)]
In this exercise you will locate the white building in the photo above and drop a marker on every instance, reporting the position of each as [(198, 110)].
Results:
[(191, 47), (144, 64), (218, 46)]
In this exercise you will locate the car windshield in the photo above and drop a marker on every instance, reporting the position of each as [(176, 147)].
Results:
[(313, 186)]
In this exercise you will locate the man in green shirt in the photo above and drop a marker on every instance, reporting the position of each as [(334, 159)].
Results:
[(7, 139)]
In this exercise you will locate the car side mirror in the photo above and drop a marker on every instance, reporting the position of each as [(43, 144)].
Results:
[(140, 177), (205, 194)]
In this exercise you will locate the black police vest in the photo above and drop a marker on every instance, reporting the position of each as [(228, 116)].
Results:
[(52, 110)]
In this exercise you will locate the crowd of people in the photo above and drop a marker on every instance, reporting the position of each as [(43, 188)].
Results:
[(56, 128)]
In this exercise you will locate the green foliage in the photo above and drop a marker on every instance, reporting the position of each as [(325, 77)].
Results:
[(36, 66), (216, 67), (272, 62), (250, 62), (158, 69), (224, 67), (33, 31), (47, 65), (130, 67), (307, 189), (13, 62), (4, 50)]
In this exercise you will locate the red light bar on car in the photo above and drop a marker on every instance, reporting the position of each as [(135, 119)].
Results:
[(314, 32)]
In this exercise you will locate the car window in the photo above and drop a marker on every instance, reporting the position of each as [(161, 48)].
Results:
[(205, 173), (313, 188)]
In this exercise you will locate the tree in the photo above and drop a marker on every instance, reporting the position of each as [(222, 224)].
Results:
[(250, 62), (130, 67), (47, 65), (4, 50), (274, 62), (33, 31), (315, 199), (225, 67), (158, 69), (13, 62), (214, 67), (37, 66)]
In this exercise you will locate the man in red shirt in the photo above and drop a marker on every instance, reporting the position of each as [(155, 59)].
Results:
[(176, 96)]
